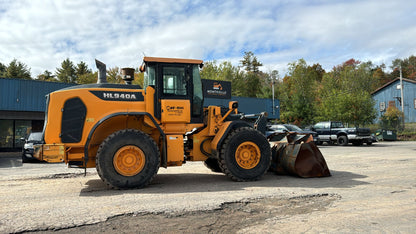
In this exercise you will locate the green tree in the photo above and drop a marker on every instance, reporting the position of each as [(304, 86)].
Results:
[(88, 78), (223, 71), (82, 69), (298, 94), (46, 76), (250, 62), (210, 71), (2, 70), (268, 80), (252, 86), (67, 72), (239, 85), (114, 76), (138, 78), (250, 83), (17, 69), (345, 94)]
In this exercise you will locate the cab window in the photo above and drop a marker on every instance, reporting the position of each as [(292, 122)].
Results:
[(336, 125), (198, 96), (174, 81)]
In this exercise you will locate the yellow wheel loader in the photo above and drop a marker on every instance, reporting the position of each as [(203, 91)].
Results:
[(127, 132)]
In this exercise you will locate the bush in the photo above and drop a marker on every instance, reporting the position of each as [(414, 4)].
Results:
[(392, 119)]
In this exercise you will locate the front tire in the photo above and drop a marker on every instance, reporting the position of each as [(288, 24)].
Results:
[(245, 155), (342, 140), (25, 159), (127, 159)]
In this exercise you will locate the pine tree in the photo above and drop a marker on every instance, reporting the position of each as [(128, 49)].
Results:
[(67, 72), (46, 76), (18, 70)]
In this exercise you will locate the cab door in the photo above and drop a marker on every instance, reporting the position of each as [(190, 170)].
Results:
[(174, 88), (178, 94)]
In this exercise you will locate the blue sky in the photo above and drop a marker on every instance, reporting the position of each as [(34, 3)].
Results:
[(42, 34)]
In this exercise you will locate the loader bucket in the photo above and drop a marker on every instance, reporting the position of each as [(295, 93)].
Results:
[(297, 154)]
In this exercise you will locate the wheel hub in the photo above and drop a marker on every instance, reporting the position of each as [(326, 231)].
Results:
[(129, 160), (247, 155)]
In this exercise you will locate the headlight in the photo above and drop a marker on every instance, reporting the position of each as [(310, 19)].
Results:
[(28, 146)]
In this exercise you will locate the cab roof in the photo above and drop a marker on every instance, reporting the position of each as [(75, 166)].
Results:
[(172, 60)]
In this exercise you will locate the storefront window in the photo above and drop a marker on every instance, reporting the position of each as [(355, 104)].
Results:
[(22, 131), (14, 132), (6, 133)]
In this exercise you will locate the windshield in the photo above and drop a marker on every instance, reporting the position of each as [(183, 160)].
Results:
[(35, 136), (149, 77), (292, 127)]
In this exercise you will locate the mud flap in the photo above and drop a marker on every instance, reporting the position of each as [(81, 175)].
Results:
[(298, 155)]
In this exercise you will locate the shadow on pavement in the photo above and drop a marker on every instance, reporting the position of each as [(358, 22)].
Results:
[(10, 159), (195, 182)]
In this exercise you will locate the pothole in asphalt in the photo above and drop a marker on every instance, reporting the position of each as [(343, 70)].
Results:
[(229, 218)]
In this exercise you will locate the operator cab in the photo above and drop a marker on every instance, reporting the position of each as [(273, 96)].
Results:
[(178, 88)]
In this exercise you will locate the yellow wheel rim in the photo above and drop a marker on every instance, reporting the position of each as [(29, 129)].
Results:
[(129, 160), (247, 155)]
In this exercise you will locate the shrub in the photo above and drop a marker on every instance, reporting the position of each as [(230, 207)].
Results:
[(392, 119)]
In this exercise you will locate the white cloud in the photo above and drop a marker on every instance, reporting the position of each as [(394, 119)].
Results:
[(43, 33)]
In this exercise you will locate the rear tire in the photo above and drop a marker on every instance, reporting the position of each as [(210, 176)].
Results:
[(245, 155), (127, 159), (342, 140), (213, 164)]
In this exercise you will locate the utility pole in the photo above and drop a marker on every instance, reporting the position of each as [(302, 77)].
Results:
[(273, 97), (401, 93)]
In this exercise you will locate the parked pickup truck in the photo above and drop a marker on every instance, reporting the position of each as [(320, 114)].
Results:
[(334, 131)]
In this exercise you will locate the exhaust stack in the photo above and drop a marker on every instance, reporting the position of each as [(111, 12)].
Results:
[(102, 75)]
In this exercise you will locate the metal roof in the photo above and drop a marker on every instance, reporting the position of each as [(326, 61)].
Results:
[(26, 95), (390, 82)]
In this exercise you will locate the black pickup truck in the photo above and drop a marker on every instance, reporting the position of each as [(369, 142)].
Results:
[(334, 131)]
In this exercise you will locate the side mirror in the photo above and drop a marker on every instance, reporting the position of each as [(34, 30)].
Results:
[(232, 105)]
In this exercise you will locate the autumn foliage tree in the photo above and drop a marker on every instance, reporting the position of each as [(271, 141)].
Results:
[(408, 66)]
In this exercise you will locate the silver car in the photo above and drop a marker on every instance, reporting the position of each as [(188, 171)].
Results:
[(34, 138)]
